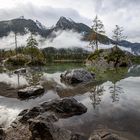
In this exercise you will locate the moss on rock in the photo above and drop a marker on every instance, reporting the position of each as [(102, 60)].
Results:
[(108, 59)]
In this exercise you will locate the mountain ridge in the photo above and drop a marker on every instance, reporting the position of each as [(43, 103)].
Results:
[(22, 26)]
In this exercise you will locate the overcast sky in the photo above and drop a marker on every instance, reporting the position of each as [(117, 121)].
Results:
[(125, 13)]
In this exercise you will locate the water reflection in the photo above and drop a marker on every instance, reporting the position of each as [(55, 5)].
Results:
[(95, 95), (115, 91)]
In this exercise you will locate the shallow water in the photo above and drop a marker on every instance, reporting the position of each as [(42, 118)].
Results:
[(112, 102)]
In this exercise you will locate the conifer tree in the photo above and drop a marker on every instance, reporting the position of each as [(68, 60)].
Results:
[(118, 35), (97, 28), (32, 46)]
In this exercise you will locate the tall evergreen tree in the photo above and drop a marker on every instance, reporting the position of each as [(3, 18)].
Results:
[(97, 28), (32, 46), (118, 35)]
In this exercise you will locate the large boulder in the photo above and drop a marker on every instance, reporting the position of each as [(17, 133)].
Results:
[(30, 91), (38, 123), (76, 76), (62, 108)]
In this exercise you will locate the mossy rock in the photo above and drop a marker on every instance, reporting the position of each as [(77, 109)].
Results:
[(108, 59)]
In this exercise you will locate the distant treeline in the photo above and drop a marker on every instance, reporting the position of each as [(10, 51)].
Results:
[(50, 54)]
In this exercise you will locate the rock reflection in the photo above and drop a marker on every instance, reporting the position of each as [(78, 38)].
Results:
[(95, 95)]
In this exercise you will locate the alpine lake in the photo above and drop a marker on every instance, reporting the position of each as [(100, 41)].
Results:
[(113, 100)]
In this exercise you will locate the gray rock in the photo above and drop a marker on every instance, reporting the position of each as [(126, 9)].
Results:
[(42, 130), (20, 71), (66, 107), (30, 91), (38, 122), (2, 134), (62, 108), (76, 76)]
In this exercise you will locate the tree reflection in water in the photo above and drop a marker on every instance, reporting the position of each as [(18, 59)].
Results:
[(95, 95), (115, 91)]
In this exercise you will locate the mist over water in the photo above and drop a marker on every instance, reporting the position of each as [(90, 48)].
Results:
[(63, 39)]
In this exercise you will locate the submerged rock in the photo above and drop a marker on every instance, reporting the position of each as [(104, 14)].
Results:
[(30, 91), (76, 76), (105, 134)]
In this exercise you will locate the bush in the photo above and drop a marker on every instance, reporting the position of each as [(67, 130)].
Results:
[(19, 60), (95, 55)]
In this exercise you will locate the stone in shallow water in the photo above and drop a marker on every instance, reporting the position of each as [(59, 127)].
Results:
[(105, 134), (63, 108), (38, 122), (20, 71), (76, 76), (30, 91)]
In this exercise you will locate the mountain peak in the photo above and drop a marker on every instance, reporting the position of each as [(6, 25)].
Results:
[(63, 23), (68, 24)]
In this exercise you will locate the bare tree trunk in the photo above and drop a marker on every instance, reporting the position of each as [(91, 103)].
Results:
[(96, 41), (16, 43)]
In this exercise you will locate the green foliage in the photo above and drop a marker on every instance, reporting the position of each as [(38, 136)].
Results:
[(113, 75), (116, 55), (95, 55), (32, 47), (135, 59), (19, 60)]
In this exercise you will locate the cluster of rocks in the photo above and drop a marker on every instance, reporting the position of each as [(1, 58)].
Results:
[(38, 123), (74, 76)]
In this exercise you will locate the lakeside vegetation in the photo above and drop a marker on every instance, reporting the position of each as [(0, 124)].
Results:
[(31, 55)]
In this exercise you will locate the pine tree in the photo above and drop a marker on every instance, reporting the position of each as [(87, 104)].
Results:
[(97, 28), (32, 46), (118, 35)]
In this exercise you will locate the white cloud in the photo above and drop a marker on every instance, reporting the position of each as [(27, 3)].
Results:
[(64, 39), (67, 39), (124, 13), (8, 42)]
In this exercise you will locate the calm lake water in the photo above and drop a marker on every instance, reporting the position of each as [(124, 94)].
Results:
[(113, 101)]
